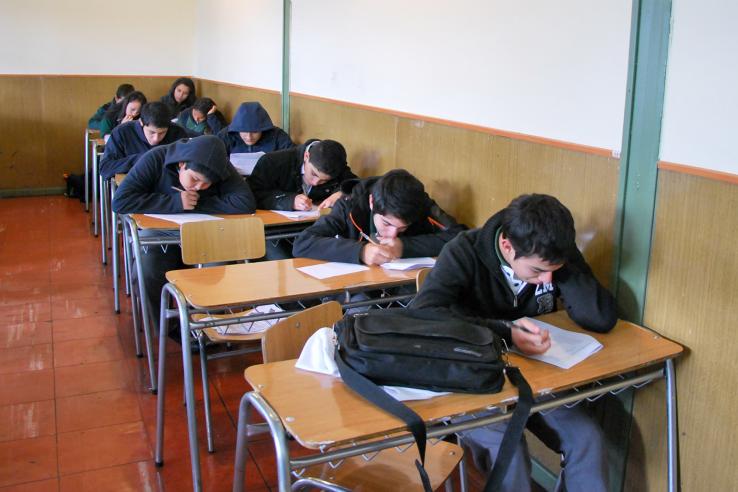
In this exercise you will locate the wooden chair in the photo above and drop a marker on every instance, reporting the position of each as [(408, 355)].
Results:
[(389, 469), (420, 278), (217, 241)]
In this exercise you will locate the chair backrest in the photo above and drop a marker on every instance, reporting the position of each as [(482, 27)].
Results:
[(212, 241), (420, 277), (285, 339)]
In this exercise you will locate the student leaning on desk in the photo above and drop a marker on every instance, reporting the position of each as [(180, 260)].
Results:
[(187, 175), (517, 265), (381, 219)]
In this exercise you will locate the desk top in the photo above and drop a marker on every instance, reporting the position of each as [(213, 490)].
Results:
[(270, 219), (273, 281), (319, 410)]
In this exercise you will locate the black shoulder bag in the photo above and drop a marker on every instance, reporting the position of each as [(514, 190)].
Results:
[(428, 350)]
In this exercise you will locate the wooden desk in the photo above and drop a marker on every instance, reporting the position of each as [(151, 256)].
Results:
[(270, 219), (321, 413), (218, 287)]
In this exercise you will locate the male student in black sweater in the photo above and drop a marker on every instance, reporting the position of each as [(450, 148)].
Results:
[(300, 177), (131, 140), (377, 220), (518, 264)]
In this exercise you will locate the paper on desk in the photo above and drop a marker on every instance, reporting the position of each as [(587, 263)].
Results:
[(568, 348), (318, 356), (244, 162), (183, 218), (298, 214), (250, 327), (409, 263), (332, 269)]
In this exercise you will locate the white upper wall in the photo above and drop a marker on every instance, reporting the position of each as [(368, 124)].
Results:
[(138, 37), (550, 69), (240, 42), (701, 104)]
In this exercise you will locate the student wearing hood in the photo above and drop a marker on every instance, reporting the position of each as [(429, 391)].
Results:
[(252, 131), (209, 184), (131, 140), (203, 118), (180, 96), (378, 220)]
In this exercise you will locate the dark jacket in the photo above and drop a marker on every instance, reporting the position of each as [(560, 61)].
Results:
[(277, 179), (211, 126), (173, 106), (96, 119), (127, 143), (252, 117), (337, 237), (468, 281), (148, 187)]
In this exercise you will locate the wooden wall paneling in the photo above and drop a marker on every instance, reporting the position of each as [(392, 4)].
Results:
[(228, 97), (691, 299), (369, 136)]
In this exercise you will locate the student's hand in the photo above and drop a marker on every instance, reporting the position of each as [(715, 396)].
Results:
[(302, 202), (394, 246), (376, 254), (536, 342), (127, 118), (328, 202), (189, 199), (213, 109)]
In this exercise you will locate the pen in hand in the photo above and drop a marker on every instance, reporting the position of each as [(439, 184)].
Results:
[(178, 189), (522, 328), (365, 236)]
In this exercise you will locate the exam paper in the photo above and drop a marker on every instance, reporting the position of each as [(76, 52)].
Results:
[(332, 269), (409, 263), (183, 218), (298, 214), (568, 348), (244, 162), (248, 328)]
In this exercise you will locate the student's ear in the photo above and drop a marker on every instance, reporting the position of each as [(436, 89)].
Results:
[(505, 245)]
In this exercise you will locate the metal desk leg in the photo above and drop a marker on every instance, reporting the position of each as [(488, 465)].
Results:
[(87, 170), (102, 190), (114, 246), (160, 395), (93, 153), (133, 231), (672, 427), (276, 429)]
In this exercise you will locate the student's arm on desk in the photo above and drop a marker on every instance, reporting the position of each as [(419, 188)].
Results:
[(230, 196), (587, 302), (264, 184), (137, 194), (114, 160), (319, 241), (431, 244)]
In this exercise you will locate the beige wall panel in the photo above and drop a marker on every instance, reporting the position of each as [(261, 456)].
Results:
[(228, 97), (369, 136), (691, 298)]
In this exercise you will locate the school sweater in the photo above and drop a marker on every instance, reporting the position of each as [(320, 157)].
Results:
[(127, 143), (212, 124), (96, 119), (148, 187), (337, 236), (252, 117), (277, 179), (468, 281)]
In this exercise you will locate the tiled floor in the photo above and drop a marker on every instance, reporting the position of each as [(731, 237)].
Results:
[(74, 412)]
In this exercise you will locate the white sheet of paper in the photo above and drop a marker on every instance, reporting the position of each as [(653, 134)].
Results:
[(183, 218), (332, 269), (409, 263), (251, 327), (244, 162), (298, 214), (568, 348)]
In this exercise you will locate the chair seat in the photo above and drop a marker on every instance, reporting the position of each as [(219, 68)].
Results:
[(391, 470)]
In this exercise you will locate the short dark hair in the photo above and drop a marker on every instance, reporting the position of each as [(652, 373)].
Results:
[(203, 105), (155, 114), (328, 156), (402, 195), (539, 225), (124, 90), (133, 96)]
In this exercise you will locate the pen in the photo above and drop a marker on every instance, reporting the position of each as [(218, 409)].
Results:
[(512, 324), (178, 189), (363, 234)]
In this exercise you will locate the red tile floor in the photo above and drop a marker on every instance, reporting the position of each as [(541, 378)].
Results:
[(74, 411)]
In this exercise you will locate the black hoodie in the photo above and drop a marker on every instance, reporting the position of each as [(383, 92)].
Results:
[(337, 237), (468, 281), (148, 188)]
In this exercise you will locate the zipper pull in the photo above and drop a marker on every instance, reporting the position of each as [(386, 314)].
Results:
[(515, 300)]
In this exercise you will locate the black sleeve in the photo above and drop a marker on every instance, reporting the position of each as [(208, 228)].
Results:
[(327, 238), (264, 182), (137, 194), (114, 160), (445, 228), (587, 302), (233, 197)]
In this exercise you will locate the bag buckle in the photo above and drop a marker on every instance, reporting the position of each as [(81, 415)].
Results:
[(503, 355)]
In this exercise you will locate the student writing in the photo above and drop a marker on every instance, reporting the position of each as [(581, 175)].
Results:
[(122, 91), (127, 110), (203, 118), (252, 130)]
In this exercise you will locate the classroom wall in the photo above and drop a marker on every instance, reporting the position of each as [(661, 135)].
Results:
[(694, 260), (550, 69)]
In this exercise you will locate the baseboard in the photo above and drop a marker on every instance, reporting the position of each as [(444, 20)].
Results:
[(32, 192)]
